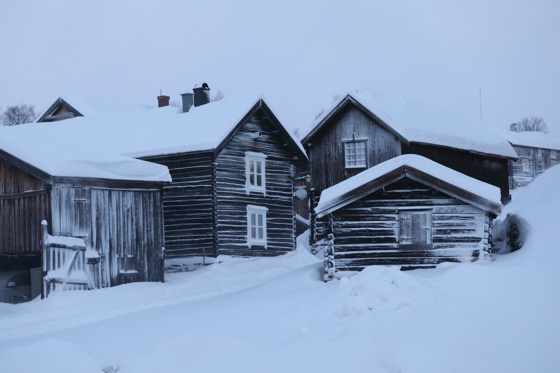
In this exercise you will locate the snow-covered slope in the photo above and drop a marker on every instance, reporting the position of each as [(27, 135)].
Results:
[(275, 315)]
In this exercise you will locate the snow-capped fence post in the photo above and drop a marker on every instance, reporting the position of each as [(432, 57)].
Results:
[(329, 263)]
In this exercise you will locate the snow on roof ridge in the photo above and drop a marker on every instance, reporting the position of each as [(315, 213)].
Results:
[(467, 183)]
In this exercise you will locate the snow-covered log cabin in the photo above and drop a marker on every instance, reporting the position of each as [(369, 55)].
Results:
[(537, 152), (113, 203), (365, 128), (408, 211), (233, 166)]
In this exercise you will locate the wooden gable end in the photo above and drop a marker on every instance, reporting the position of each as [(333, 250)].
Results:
[(267, 189), (327, 148), (59, 110), (406, 223)]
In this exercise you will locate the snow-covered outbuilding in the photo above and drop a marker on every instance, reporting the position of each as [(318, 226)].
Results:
[(407, 211), (112, 202), (537, 152), (365, 128)]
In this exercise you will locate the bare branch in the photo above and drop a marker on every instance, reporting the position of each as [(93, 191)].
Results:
[(18, 114)]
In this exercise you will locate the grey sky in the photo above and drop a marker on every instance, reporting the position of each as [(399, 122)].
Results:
[(297, 53)]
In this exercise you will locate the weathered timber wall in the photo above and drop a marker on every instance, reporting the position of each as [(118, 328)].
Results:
[(119, 224), (24, 202), (531, 163), (366, 232), (491, 170), (188, 204), (232, 198), (326, 153), (20, 222)]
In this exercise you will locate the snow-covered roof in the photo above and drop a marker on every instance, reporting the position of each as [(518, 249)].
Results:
[(351, 189), (88, 105), (105, 147), (421, 123), (530, 139)]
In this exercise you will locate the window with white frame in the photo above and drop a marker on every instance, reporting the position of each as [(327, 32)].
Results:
[(256, 225), (553, 154), (255, 172), (355, 153)]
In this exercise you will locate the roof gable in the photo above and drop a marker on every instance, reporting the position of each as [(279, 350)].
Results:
[(412, 121), (423, 170), (60, 109)]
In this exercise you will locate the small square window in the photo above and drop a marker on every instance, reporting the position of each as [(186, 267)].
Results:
[(255, 172), (256, 225), (355, 154), (553, 154)]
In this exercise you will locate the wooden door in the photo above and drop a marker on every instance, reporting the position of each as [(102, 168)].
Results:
[(415, 228)]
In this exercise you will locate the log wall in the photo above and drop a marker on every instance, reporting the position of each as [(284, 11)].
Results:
[(366, 232)]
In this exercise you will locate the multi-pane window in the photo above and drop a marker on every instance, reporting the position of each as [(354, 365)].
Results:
[(256, 225), (255, 172), (355, 154)]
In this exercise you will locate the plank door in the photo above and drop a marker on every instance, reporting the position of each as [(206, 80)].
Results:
[(415, 228)]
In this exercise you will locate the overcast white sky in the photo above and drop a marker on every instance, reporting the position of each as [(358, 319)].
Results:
[(297, 53)]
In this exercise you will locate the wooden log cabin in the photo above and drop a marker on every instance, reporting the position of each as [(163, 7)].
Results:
[(365, 128), (113, 203), (408, 211), (233, 192)]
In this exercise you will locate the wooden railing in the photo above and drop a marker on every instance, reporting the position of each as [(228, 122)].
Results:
[(64, 263)]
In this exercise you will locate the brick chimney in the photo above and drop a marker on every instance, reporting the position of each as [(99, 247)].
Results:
[(163, 100)]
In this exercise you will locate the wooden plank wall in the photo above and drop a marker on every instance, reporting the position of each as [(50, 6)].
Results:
[(20, 222), (24, 202), (326, 153), (232, 198), (188, 204), (366, 231), (491, 170), (115, 223)]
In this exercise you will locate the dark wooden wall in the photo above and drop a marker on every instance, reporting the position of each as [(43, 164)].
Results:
[(537, 164), (326, 153), (366, 231), (116, 223), (491, 170), (24, 203), (232, 198), (188, 204)]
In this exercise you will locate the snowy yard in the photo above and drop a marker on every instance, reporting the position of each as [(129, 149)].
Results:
[(275, 315)]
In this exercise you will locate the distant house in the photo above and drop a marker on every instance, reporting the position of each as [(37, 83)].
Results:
[(408, 211), (537, 152), (78, 105), (365, 128), (111, 202)]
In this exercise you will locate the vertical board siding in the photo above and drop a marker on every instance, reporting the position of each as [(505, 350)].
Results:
[(24, 203), (20, 222), (327, 150), (188, 204), (366, 232), (232, 198), (114, 223)]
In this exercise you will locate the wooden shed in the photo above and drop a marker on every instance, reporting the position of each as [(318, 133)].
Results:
[(408, 211), (113, 203), (365, 128)]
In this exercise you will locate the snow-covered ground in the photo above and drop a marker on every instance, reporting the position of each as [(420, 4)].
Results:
[(275, 315)]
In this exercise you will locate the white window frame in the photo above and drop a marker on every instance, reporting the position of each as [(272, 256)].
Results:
[(353, 159), (252, 160), (256, 229), (553, 154)]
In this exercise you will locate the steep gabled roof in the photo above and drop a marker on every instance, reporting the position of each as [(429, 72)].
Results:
[(414, 122), (423, 170)]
